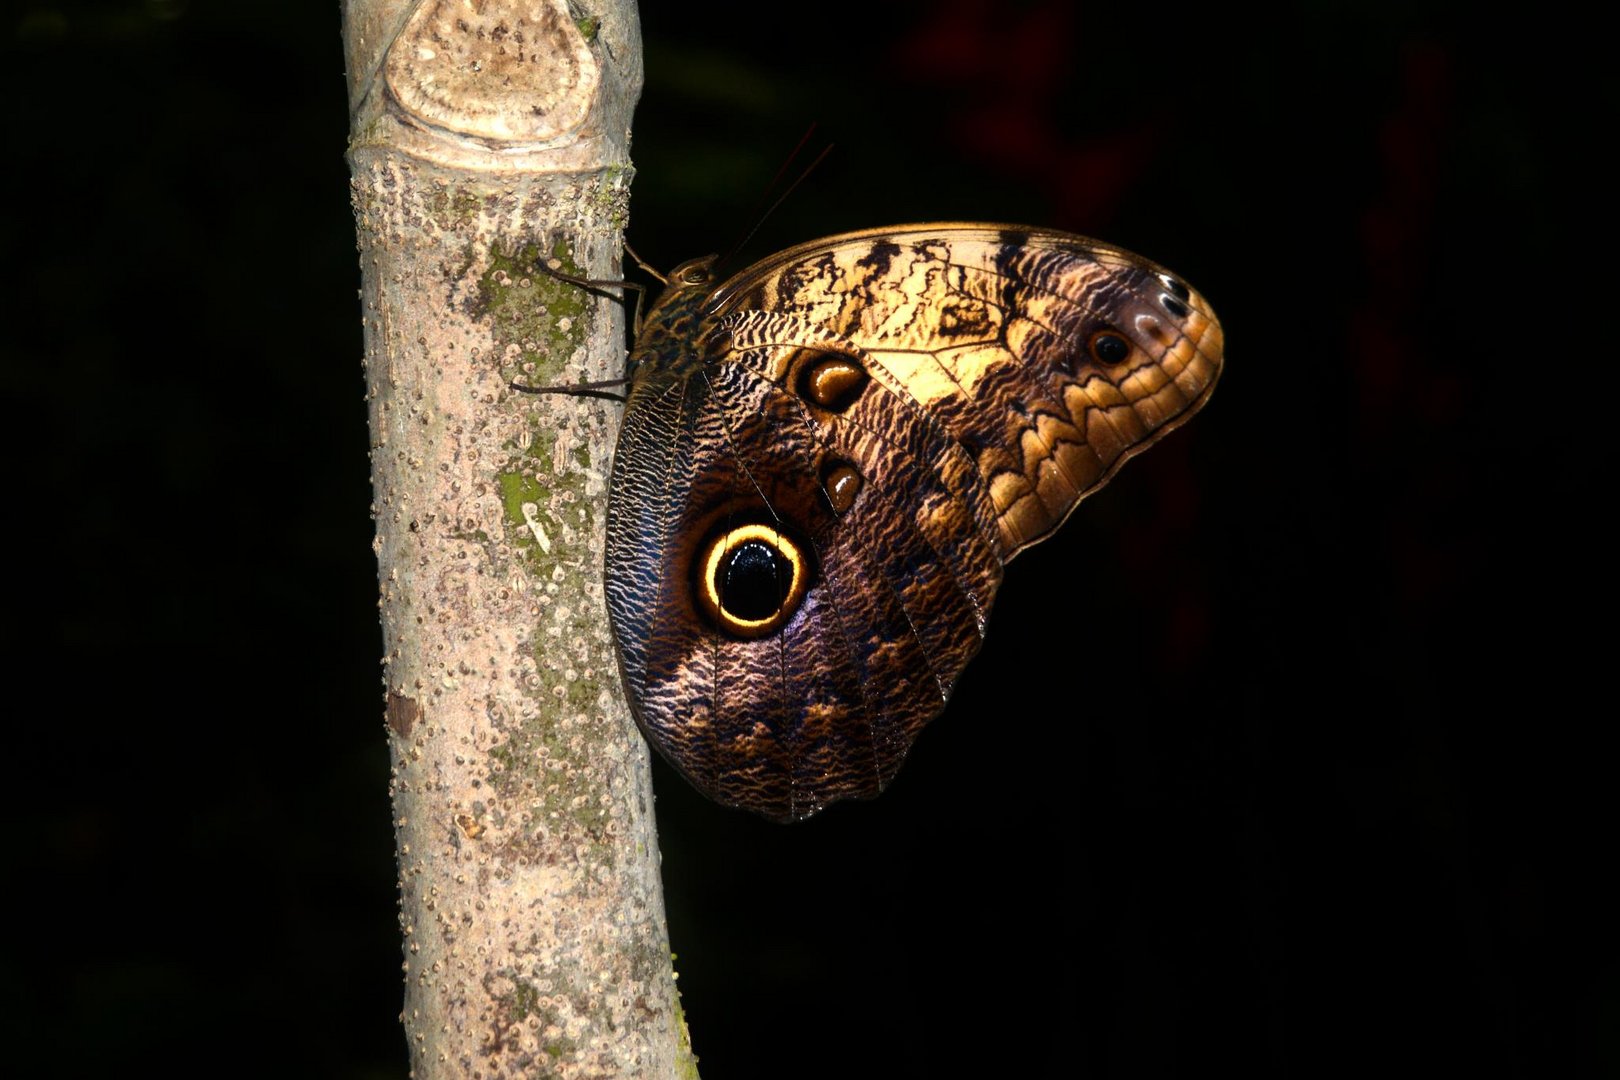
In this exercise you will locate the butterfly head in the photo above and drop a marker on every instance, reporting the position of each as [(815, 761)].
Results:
[(664, 341), (693, 274)]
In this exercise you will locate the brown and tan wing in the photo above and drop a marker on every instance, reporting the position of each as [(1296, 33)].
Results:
[(1050, 357), (807, 529)]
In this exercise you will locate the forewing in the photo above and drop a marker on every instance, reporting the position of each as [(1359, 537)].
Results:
[(995, 333)]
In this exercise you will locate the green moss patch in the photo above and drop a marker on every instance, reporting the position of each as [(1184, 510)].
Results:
[(536, 321)]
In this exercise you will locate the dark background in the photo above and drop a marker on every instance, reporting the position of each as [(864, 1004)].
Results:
[(1288, 755)]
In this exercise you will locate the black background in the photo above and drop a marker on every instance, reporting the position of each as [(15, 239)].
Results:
[(1285, 756)]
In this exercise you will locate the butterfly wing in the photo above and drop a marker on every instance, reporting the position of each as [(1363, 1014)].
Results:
[(809, 520), (995, 331)]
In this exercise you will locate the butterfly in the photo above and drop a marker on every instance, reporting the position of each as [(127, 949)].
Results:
[(827, 459)]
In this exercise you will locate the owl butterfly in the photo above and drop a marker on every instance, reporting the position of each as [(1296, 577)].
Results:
[(826, 460)]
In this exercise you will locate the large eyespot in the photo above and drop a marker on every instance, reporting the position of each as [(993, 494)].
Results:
[(830, 380), (751, 579), (1108, 347)]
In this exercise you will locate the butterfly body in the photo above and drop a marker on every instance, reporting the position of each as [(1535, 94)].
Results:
[(827, 459)]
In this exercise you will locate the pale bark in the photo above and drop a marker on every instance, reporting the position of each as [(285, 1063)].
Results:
[(486, 136)]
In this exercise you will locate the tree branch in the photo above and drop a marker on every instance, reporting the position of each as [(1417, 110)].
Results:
[(488, 139)]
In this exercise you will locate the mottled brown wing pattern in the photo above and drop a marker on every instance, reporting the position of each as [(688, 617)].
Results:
[(990, 329), (825, 462)]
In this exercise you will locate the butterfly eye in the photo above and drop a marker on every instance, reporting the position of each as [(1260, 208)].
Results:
[(1108, 347), (751, 579), (694, 275)]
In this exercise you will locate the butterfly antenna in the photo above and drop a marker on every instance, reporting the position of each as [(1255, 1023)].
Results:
[(760, 219), (754, 214), (787, 162)]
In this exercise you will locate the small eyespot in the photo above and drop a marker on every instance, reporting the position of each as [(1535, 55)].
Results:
[(831, 380), (1177, 287), (1174, 306), (1151, 326), (840, 483), (1108, 347)]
